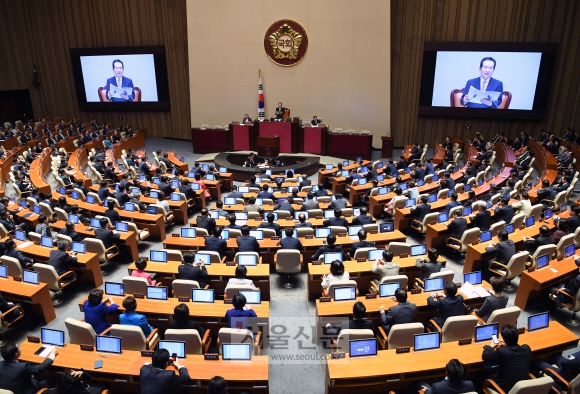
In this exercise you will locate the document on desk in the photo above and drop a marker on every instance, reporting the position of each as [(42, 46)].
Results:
[(473, 291), (46, 351), (475, 95), (24, 244)]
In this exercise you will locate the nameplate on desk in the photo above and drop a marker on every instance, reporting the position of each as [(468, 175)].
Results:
[(33, 339), (338, 355), (230, 263), (318, 217), (258, 219), (521, 330), (475, 242), (342, 234), (370, 296), (404, 255), (374, 232), (176, 235), (276, 238), (211, 357), (147, 353), (316, 262), (560, 258), (324, 299), (288, 218), (138, 295), (87, 348), (309, 236), (403, 349), (298, 203), (228, 301), (531, 269), (17, 279), (183, 299), (464, 341), (416, 291), (347, 215), (361, 260), (433, 223), (36, 242), (144, 258)]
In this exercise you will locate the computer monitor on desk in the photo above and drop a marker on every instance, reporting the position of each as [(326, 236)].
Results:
[(52, 337), (388, 289), (236, 351), (115, 289), (3, 271), (173, 347), (106, 344), (486, 332), (157, 293), (538, 321), (330, 257), (542, 261), (418, 250), (202, 295), (472, 277), (345, 293), (434, 284), (429, 341), (362, 347)]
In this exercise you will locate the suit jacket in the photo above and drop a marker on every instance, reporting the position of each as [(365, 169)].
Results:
[(321, 193), (448, 307), (291, 243), (43, 230), (165, 188), (533, 244), (107, 236), (457, 227), (16, 376), (482, 220), (285, 206), (338, 203), (361, 244), (76, 237), (19, 256), (110, 174), (361, 220), (401, 313), (95, 315), (420, 173), (191, 272), (546, 194), (144, 167), (125, 82), (420, 211), (187, 325), (216, 245), (206, 222), (493, 85), (61, 261), (504, 249), (310, 204), (122, 198), (452, 205), (273, 226), (305, 224), (306, 182), (504, 213), (247, 243), (449, 387), (158, 381), (189, 194), (113, 216), (334, 221), (326, 249), (514, 364)]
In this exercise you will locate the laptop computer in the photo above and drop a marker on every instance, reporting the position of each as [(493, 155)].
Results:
[(418, 250), (122, 227), (442, 217), (226, 234), (321, 232), (258, 234), (410, 203), (542, 261), (188, 232), (485, 236), (96, 223), (294, 235), (388, 289), (252, 296), (345, 293), (229, 201), (79, 247), (569, 250), (202, 295), (429, 341), (46, 242), (236, 351), (404, 186), (175, 183), (345, 163), (375, 254), (330, 257), (113, 288), (362, 347), (205, 167), (434, 284), (249, 260), (563, 207), (486, 332), (420, 182), (158, 256), (173, 347), (157, 293), (538, 321), (74, 195), (107, 344), (36, 209), (472, 277), (329, 167), (3, 271), (530, 221), (52, 337), (204, 257)]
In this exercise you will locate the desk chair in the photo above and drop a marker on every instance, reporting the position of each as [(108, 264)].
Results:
[(3, 231), (268, 232), (82, 196), (13, 266), (312, 213), (447, 276), (456, 328), (454, 209), (47, 210), (514, 268), (2, 391), (572, 303), (214, 257), (104, 255), (400, 335), (31, 201), (337, 230), (536, 212), (6, 321), (541, 385), (496, 228), (254, 215), (371, 227), (341, 343), (518, 220), (324, 199), (282, 215), (168, 217), (572, 386), (399, 248), (362, 253), (234, 233), (421, 226), (402, 280), (34, 237), (577, 238), (288, 262), (80, 332), (557, 201), (508, 315), (495, 198), (442, 194), (235, 335), (132, 337), (47, 274), (230, 291), (141, 234), (136, 284), (183, 287), (329, 292), (566, 240), (193, 343), (201, 232), (542, 250), (20, 194)]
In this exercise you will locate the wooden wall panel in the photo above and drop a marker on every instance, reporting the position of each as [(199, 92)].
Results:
[(39, 34), (414, 22)]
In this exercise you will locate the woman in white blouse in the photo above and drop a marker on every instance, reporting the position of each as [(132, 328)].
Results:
[(337, 272)]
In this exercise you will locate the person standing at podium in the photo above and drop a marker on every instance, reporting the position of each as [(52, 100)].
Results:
[(246, 119), (280, 111), (314, 121)]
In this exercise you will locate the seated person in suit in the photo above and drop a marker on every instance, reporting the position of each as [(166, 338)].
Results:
[(358, 322), (385, 267), (504, 211), (62, 261), (310, 203), (421, 209), (302, 221), (336, 220), (315, 121), (240, 309), (546, 192), (571, 288), (240, 278), (161, 202), (252, 178), (270, 224), (181, 320), (69, 230), (362, 242), (286, 206), (246, 119), (232, 219), (112, 213), (416, 152), (340, 202), (265, 193), (532, 244), (430, 265), (321, 192), (329, 248), (132, 318), (253, 207), (456, 227), (337, 272), (454, 203), (96, 310), (561, 230), (157, 378), (503, 251), (11, 251), (205, 221), (107, 234), (498, 300), (215, 242), (290, 242), (402, 313), (481, 218), (247, 243), (448, 304), (191, 270), (235, 193), (567, 367), (141, 264), (363, 218), (453, 382)]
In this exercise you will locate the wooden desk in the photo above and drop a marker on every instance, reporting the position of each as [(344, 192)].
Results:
[(179, 208), (361, 273), (438, 154), (323, 175), (137, 141), (218, 275), (222, 221), (121, 372), (183, 166), (532, 283), (544, 159), (79, 160), (129, 237), (38, 170), (37, 295), (504, 154), (391, 371)]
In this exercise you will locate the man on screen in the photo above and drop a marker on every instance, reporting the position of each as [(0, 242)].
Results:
[(484, 83), (120, 81)]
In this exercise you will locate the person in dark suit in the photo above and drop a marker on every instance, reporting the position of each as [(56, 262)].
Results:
[(110, 172), (11, 251), (192, 270), (185, 188), (450, 304), (108, 236), (235, 193), (513, 359), (453, 382), (246, 119), (329, 248), (305, 182), (504, 211), (416, 152), (484, 83), (247, 243), (403, 312), (315, 121), (205, 221), (358, 322), (121, 196), (546, 192), (285, 206), (310, 203), (421, 210), (232, 219), (155, 378), (164, 186), (567, 367), (181, 320), (279, 112), (118, 80), (290, 242), (61, 260), (362, 242), (265, 193), (456, 228), (336, 220), (215, 242), (144, 168), (321, 192), (112, 213), (498, 300), (503, 250), (104, 191), (363, 218), (270, 224), (19, 376), (563, 184), (481, 219), (69, 230), (340, 202), (419, 172), (532, 244), (302, 221)]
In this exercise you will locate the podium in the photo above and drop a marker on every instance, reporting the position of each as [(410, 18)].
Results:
[(268, 146), (387, 150)]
